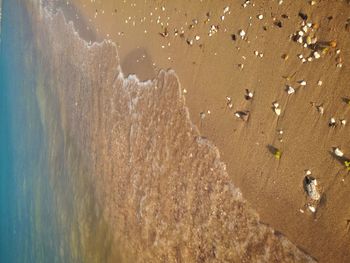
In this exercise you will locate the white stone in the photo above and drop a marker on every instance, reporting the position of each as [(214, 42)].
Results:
[(338, 152)]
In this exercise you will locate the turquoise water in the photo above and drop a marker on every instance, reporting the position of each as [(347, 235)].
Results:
[(27, 209)]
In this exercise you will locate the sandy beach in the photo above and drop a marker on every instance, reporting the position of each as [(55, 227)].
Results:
[(203, 42), (265, 82)]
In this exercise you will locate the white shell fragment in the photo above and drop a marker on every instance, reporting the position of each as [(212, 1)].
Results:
[(302, 83), (290, 90), (312, 208), (229, 102), (338, 152), (320, 109), (277, 111), (242, 33)]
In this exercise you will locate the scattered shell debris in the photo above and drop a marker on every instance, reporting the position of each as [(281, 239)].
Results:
[(246, 3), (229, 102), (276, 108)]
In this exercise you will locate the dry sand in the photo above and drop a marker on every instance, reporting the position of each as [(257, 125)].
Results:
[(209, 70)]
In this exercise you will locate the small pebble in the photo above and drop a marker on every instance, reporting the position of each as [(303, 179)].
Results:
[(338, 152)]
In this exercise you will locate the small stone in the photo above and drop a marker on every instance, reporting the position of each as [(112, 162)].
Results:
[(343, 122), (310, 185), (332, 122), (333, 43), (249, 94), (260, 17), (319, 83), (243, 115), (317, 55), (338, 152), (285, 56)]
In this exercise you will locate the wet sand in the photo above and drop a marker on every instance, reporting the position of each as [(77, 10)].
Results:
[(210, 70)]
